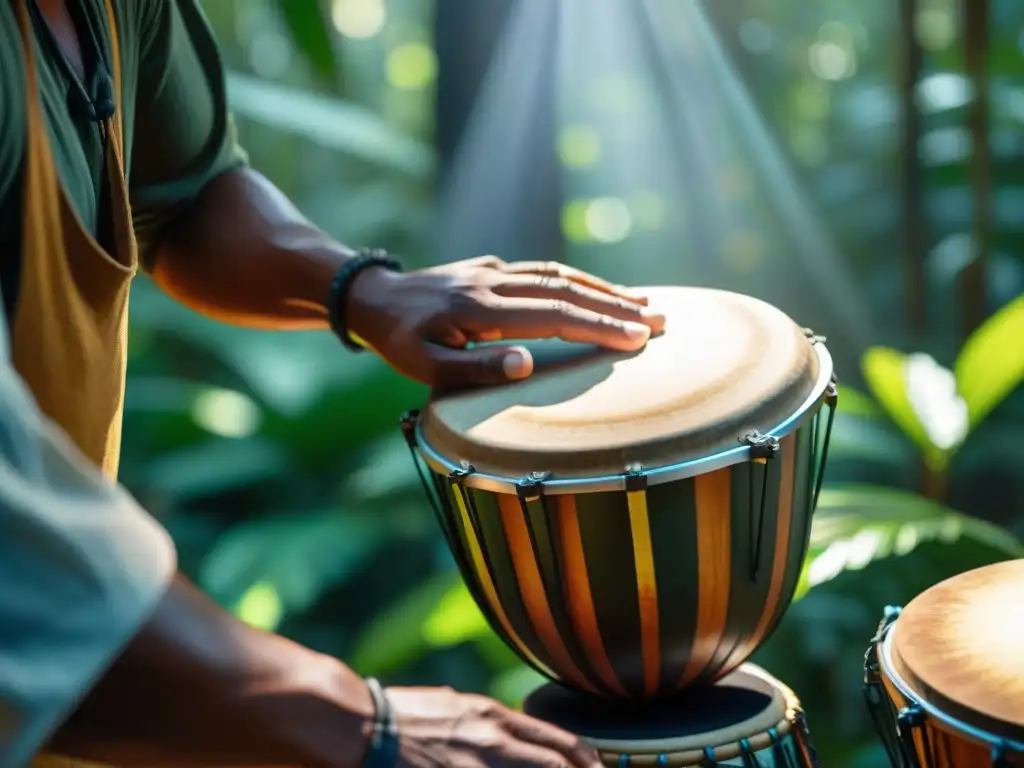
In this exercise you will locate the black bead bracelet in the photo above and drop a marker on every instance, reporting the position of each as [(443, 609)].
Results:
[(383, 749), (364, 259)]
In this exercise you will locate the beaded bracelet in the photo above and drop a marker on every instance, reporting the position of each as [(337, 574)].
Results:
[(364, 259), (383, 749)]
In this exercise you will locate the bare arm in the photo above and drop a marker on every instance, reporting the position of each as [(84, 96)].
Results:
[(197, 688)]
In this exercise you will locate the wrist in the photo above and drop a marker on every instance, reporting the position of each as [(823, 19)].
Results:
[(362, 306), (325, 719)]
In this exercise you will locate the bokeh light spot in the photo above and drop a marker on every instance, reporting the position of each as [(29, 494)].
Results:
[(226, 413), (261, 607), (574, 221), (412, 66), (608, 220), (359, 18), (579, 146)]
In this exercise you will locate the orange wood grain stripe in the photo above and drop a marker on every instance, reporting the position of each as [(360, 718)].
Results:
[(714, 540), (531, 587), (579, 595)]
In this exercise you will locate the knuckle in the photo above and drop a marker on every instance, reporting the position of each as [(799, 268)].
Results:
[(557, 284), (565, 309), (486, 708), (583, 751), (554, 268)]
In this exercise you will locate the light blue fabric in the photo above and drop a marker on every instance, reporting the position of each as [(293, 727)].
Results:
[(81, 569)]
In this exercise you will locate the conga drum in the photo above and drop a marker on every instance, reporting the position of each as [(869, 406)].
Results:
[(944, 677), (633, 524)]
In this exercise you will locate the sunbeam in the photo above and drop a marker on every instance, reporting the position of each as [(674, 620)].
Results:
[(631, 122)]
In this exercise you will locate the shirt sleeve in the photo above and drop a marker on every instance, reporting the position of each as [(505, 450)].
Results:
[(82, 567), (183, 134)]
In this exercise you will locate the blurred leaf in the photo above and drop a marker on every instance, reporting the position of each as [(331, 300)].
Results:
[(991, 363), (396, 635), (855, 403), (994, 447), (885, 372), (855, 526), (260, 607), (513, 686), (299, 555), (455, 619), (332, 123), (215, 467), (865, 439), (349, 415), (311, 34)]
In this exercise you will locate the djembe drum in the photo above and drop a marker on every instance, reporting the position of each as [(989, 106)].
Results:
[(633, 524), (944, 677)]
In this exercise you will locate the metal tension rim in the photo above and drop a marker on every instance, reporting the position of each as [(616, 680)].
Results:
[(824, 388), (995, 742)]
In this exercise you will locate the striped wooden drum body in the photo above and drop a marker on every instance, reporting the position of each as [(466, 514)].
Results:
[(748, 719), (944, 677), (635, 524)]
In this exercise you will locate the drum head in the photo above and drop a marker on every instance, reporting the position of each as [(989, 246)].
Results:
[(725, 365), (739, 706), (960, 648)]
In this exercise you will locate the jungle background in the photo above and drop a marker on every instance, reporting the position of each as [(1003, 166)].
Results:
[(856, 162)]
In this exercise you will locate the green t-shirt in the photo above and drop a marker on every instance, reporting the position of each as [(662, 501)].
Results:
[(178, 134)]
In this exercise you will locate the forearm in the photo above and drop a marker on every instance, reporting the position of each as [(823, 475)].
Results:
[(196, 687), (242, 254)]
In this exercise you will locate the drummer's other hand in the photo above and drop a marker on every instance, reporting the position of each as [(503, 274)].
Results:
[(440, 728), (420, 322)]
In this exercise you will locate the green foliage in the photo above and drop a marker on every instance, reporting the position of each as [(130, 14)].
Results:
[(308, 28), (989, 368), (991, 364), (855, 526), (333, 123), (275, 459), (885, 372)]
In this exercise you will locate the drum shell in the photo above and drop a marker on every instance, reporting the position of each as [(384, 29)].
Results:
[(639, 595), (937, 744)]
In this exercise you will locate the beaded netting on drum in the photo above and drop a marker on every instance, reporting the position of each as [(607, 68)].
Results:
[(896, 729)]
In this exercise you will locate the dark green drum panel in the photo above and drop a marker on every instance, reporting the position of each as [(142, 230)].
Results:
[(640, 594)]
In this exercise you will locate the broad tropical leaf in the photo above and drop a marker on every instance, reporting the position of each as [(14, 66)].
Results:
[(871, 440), (884, 370), (297, 555), (311, 34), (853, 402), (407, 629), (332, 123), (888, 373), (991, 363), (855, 526)]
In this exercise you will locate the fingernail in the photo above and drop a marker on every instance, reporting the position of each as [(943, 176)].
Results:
[(517, 364), (637, 333)]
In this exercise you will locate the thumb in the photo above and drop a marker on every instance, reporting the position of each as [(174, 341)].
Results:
[(480, 365)]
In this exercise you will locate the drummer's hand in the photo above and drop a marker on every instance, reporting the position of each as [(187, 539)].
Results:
[(421, 321), (439, 728)]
